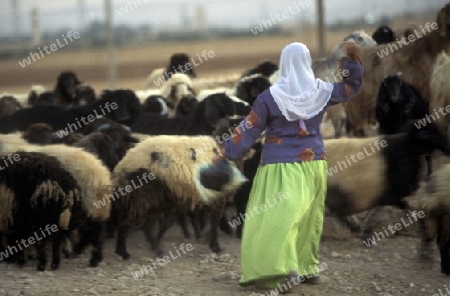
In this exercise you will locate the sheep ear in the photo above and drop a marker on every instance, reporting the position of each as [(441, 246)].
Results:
[(127, 128), (103, 127)]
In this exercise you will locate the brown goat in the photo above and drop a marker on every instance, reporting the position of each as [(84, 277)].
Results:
[(415, 61)]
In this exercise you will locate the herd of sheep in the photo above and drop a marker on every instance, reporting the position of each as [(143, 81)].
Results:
[(69, 154)]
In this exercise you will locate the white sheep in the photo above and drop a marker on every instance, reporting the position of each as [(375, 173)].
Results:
[(175, 162), (440, 91)]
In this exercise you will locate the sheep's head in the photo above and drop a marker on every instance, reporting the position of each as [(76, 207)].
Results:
[(39, 133), (178, 60), (9, 105), (180, 90), (393, 85), (265, 68), (443, 20), (156, 104), (127, 108), (186, 104), (249, 88), (83, 95), (217, 107), (383, 35), (361, 38), (122, 139), (65, 86)]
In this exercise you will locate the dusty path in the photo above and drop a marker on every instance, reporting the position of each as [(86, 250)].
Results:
[(389, 268)]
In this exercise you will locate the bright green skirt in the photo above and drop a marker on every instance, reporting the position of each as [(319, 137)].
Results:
[(283, 222)]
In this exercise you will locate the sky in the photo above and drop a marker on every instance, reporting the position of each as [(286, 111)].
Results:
[(61, 14)]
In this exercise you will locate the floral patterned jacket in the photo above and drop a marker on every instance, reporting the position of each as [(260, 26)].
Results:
[(289, 141)]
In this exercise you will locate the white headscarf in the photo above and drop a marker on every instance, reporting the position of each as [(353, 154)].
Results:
[(297, 92)]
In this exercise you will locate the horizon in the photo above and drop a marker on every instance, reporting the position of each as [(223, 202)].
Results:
[(174, 14)]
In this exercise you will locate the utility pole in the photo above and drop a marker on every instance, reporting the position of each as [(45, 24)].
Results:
[(321, 27), (81, 15), (109, 24), (15, 5)]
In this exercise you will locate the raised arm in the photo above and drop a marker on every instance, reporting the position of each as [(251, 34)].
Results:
[(353, 75), (246, 133)]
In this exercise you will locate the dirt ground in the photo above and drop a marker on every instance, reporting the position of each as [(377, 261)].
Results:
[(135, 63), (351, 268)]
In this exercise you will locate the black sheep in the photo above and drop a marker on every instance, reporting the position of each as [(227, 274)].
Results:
[(186, 105), (47, 98), (9, 105), (265, 68), (39, 133), (44, 197), (102, 146), (398, 103), (383, 35), (83, 95), (157, 104), (201, 121), (119, 133), (118, 105), (65, 87), (249, 87), (178, 60)]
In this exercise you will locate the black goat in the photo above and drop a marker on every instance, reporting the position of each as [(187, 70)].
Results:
[(9, 105), (178, 60), (156, 104), (398, 103), (102, 146), (83, 95), (118, 105), (265, 68), (47, 98), (201, 121), (383, 35), (249, 87), (38, 204), (65, 87)]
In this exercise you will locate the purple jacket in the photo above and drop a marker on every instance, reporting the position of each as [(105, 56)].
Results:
[(289, 141)]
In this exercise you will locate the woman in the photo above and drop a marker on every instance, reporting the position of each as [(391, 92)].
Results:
[(281, 236)]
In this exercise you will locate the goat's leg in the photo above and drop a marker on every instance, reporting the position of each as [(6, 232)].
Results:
[(195, 218), (425, 243), (121, 244), (214, 239), (182, 220), (96, 231), (149, 228), (445, 257), (56, 248), (41, 255), (224, 225)]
